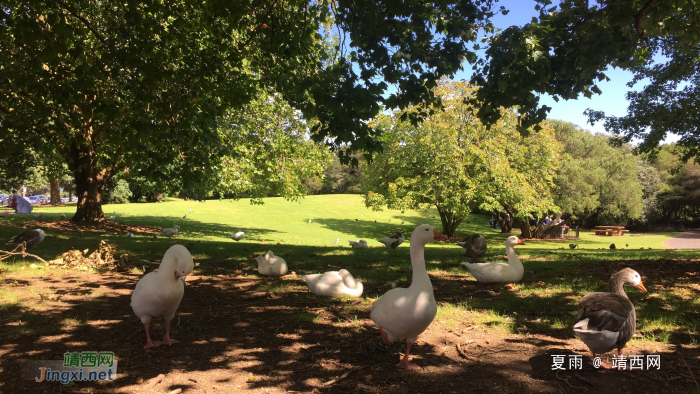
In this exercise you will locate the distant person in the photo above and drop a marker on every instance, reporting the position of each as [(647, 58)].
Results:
[(547, 220), (13, 200)]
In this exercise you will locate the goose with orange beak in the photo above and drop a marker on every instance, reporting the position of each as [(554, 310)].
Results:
[(499, 272), (158, 294), (407, 312), (606, 321)]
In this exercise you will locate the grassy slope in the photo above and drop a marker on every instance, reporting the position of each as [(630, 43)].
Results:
[(283, 227)]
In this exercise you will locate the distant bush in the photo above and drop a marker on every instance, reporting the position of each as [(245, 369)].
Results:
[(121, 193)]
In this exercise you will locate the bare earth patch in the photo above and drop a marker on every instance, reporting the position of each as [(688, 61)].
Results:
[(238, 337), (104, 226)]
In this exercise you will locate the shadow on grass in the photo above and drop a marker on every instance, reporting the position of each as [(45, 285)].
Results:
[(233, 323)]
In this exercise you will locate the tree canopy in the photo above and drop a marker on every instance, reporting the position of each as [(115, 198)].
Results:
[(567, 49), (453, 162), (108, 84), (595, 178)]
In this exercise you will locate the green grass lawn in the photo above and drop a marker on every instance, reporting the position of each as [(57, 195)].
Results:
[(544, 302)]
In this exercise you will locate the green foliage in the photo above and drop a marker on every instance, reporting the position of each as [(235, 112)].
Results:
[(596, 178), (451, 161), (337, 178), (267, 151), (679, 192), (120, 194), (566, 51), (141, 85)]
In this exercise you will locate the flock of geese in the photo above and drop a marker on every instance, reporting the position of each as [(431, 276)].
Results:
[(605, 320)]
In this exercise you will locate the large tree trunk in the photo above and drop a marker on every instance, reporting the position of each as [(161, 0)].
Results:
[(449, 222), (89, 185), (88, 189), (55, 192), (524, 228)]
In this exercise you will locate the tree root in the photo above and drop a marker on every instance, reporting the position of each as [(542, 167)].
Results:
[(5, 254)]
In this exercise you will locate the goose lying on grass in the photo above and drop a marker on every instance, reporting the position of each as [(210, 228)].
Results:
[(333, 283), (405, 313), (237, 236), (158, 294), (491, 272), (361, 244), (606, 321), (271, 265)]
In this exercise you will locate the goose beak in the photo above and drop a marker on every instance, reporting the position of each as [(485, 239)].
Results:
[(641, 287), (520, 242), (437, 235)]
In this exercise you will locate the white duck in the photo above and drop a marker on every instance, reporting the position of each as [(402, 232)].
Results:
[(361, 244), (237, 236), (606, 321), (113, 216), (406, 313), (512, 271), (333, 283), (271, 265), (169, 232), (130, 235), (158, 294)]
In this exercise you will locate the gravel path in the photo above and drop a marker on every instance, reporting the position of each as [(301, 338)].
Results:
[(687, 240)]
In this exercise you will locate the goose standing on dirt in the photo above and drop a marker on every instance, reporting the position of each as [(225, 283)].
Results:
[(407, 312), (238, 236), (271, 265), (491, 272), (169, 232), (361, 244), (333, 283), (31, 237), (393, 241), (606, 321), (475, 247), (158, 294)]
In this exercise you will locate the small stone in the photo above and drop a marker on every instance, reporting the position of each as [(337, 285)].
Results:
[(139, 380)]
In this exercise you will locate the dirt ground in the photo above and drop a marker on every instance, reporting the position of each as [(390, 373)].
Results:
[(236, 338)]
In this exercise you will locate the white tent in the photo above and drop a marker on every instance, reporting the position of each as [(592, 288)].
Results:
[(23, 206)]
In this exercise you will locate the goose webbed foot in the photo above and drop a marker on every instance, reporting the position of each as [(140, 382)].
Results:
[(166, 339), (149, 342), (405, 364)]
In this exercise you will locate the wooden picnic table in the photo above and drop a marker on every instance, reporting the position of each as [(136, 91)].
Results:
[(610, 230)]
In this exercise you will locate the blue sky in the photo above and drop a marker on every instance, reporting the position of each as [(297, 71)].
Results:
[(612, 100)]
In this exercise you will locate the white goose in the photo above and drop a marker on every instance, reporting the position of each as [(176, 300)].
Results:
[(361, 244), (237, 236), (271, 265), (509, 272), (333, 283), (169, 232), (158, 294), (406, 313)]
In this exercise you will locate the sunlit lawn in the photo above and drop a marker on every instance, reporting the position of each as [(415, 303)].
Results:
[(544, 302)]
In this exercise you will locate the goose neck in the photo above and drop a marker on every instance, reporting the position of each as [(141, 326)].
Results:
[(617, 285), (418, 263), (167, 266), (510, 252)]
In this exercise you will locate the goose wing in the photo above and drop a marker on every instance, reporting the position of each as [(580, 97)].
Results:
[(31, 237), (609, 312)]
